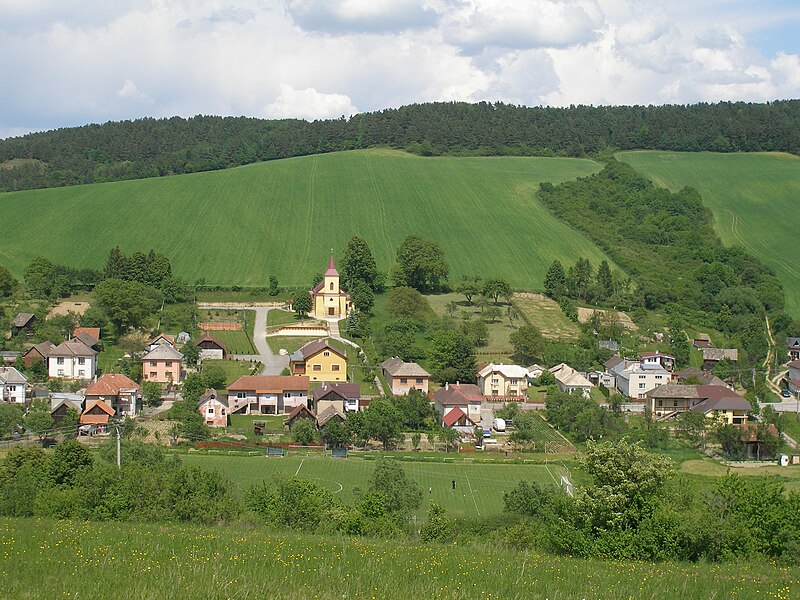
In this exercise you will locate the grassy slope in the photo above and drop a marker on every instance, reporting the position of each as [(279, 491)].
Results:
[(755, 199), (239, 226), (54, 559)]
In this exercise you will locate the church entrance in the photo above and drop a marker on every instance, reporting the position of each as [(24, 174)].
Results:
[(331, 311)]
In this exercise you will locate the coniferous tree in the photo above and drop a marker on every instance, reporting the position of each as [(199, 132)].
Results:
[(555, 281)]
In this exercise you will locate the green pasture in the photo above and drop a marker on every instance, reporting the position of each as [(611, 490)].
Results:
[(479, 487), (755, 199), (60, 559), (239, 226)]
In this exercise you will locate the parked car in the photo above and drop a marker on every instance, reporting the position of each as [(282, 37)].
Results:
[(786, 394)]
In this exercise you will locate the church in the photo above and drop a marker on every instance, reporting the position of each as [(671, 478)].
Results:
[(328, 300)]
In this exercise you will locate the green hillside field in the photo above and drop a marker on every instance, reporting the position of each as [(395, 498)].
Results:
[(755, 199), (239, 226)]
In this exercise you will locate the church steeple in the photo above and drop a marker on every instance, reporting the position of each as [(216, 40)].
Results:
[(331, 272)]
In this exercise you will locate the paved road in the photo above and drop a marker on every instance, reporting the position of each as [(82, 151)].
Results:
[(273, 363)]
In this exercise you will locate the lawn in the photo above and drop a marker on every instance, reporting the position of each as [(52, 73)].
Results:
[(56, 559), (108, 359), (282, 217), (237, 342), (754, 198), (479, 487), (277, 318), (288, 342), (233, 368)]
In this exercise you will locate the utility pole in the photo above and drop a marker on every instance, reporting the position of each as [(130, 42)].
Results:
[(119, 446)]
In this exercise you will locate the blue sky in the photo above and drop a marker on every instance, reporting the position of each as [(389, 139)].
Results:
[(71, 62)]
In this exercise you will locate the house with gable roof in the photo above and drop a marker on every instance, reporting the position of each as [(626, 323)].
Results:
[(466, 397), (23, 320), (793, 377), (403, 377), (267, 394), (88, 335), (161, 338), (211, 347), (163, 364), (345, 397), (328, 300), (214, 408), (12, 385), (118, 391), (793, 348), (38, 352), (503, 381), (569, 380), (72, 359), (319, 361), (95, 417), (667, 401), (711, 356)]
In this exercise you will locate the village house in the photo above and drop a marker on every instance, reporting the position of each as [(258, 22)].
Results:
[(88, 335), (213, 408), (38, 352), (657, 358), (118, 391), (329, 413), (534, 371), (569, 380), (702, 377), (635, 379), (465, 397), (301, 411), (701, 341), (711, 356), (72, 360), (163, 364), (793, 377), (267, 395), (61, 402), (403, 377), (12, 385), (23, 320), (503, 381), (161, 338), (793, 348), (95, 418), (8, 357), (715, 401), (319, 361), (328, 300), (211, 347), (345, 397)]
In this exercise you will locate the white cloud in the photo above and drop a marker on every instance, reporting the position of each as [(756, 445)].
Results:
[(308, 104), (67, 62)]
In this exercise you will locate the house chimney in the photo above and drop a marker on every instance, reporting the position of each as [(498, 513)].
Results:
[(446, 386), (458, 383)]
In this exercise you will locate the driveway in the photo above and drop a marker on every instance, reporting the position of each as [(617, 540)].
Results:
[(273, 363)]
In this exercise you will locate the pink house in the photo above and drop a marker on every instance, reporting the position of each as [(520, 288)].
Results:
[(163, 364), (214, 409)]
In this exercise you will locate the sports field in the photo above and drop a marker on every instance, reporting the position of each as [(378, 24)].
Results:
[(479, 487), (282, 218), (755, 199)]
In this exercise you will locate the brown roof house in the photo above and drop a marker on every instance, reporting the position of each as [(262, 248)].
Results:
[(118, 391), (72, 359), (793, 348), (403, 377), (214, 408), (161, 338), (95, 418), (466, 397), (38, 352), (163, 364), (267, 395), (715, 401), (88, 335), (345, 397), (23, 320), (320, 361), (711, 356), (211, 347), (60, 403)]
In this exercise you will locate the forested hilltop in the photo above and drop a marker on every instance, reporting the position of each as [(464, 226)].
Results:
[(156, 147)]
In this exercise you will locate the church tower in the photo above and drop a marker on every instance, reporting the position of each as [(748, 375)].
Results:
[(328, 300)]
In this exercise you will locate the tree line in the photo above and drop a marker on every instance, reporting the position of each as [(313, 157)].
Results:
[(148, 147)]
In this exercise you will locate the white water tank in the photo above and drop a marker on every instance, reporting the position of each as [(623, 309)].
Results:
[(499, 424)]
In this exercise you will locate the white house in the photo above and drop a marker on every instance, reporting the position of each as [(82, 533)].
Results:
[(465, 397), (569, 380), (267, 394), (503, 381), (636, 379), (72, 360), (12, 385)]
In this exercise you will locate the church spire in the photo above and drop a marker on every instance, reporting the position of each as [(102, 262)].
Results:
[(331, 272)]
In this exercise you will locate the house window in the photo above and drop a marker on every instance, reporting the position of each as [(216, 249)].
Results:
[(316, 367), (60, 360), (419, 379), (326, 353), (495, 381), (241, 395), (61, 372), (168, 363), (153, 363), (403, 380), (287, 395), (335, 367), (658, 376), (153, 374), (12, 388), (210, 410), (641, 396), (642, 386), (675, 404), (81, 361), (660, 403), (81, 373)]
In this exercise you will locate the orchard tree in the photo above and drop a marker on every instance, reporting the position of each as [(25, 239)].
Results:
[(469, 286), (10, 418), (39, 420), (335, 434), (421, 265), (497, 287), (407, 302), (303, 432)]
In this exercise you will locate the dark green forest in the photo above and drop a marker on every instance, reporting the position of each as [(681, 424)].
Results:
[(156, 147)]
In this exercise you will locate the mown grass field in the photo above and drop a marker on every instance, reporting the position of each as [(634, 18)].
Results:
[(237, 342), (239, 226), (59, 559), (755, 199), (479, 487)]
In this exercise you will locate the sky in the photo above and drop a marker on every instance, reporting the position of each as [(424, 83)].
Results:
[(71, 62)]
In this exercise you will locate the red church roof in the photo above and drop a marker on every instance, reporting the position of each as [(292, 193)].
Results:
[(331, 272)]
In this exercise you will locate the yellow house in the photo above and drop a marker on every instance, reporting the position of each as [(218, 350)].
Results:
[(328, 300), (319, 361)]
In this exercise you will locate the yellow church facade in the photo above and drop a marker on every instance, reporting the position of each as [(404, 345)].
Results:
[(328, 300)]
